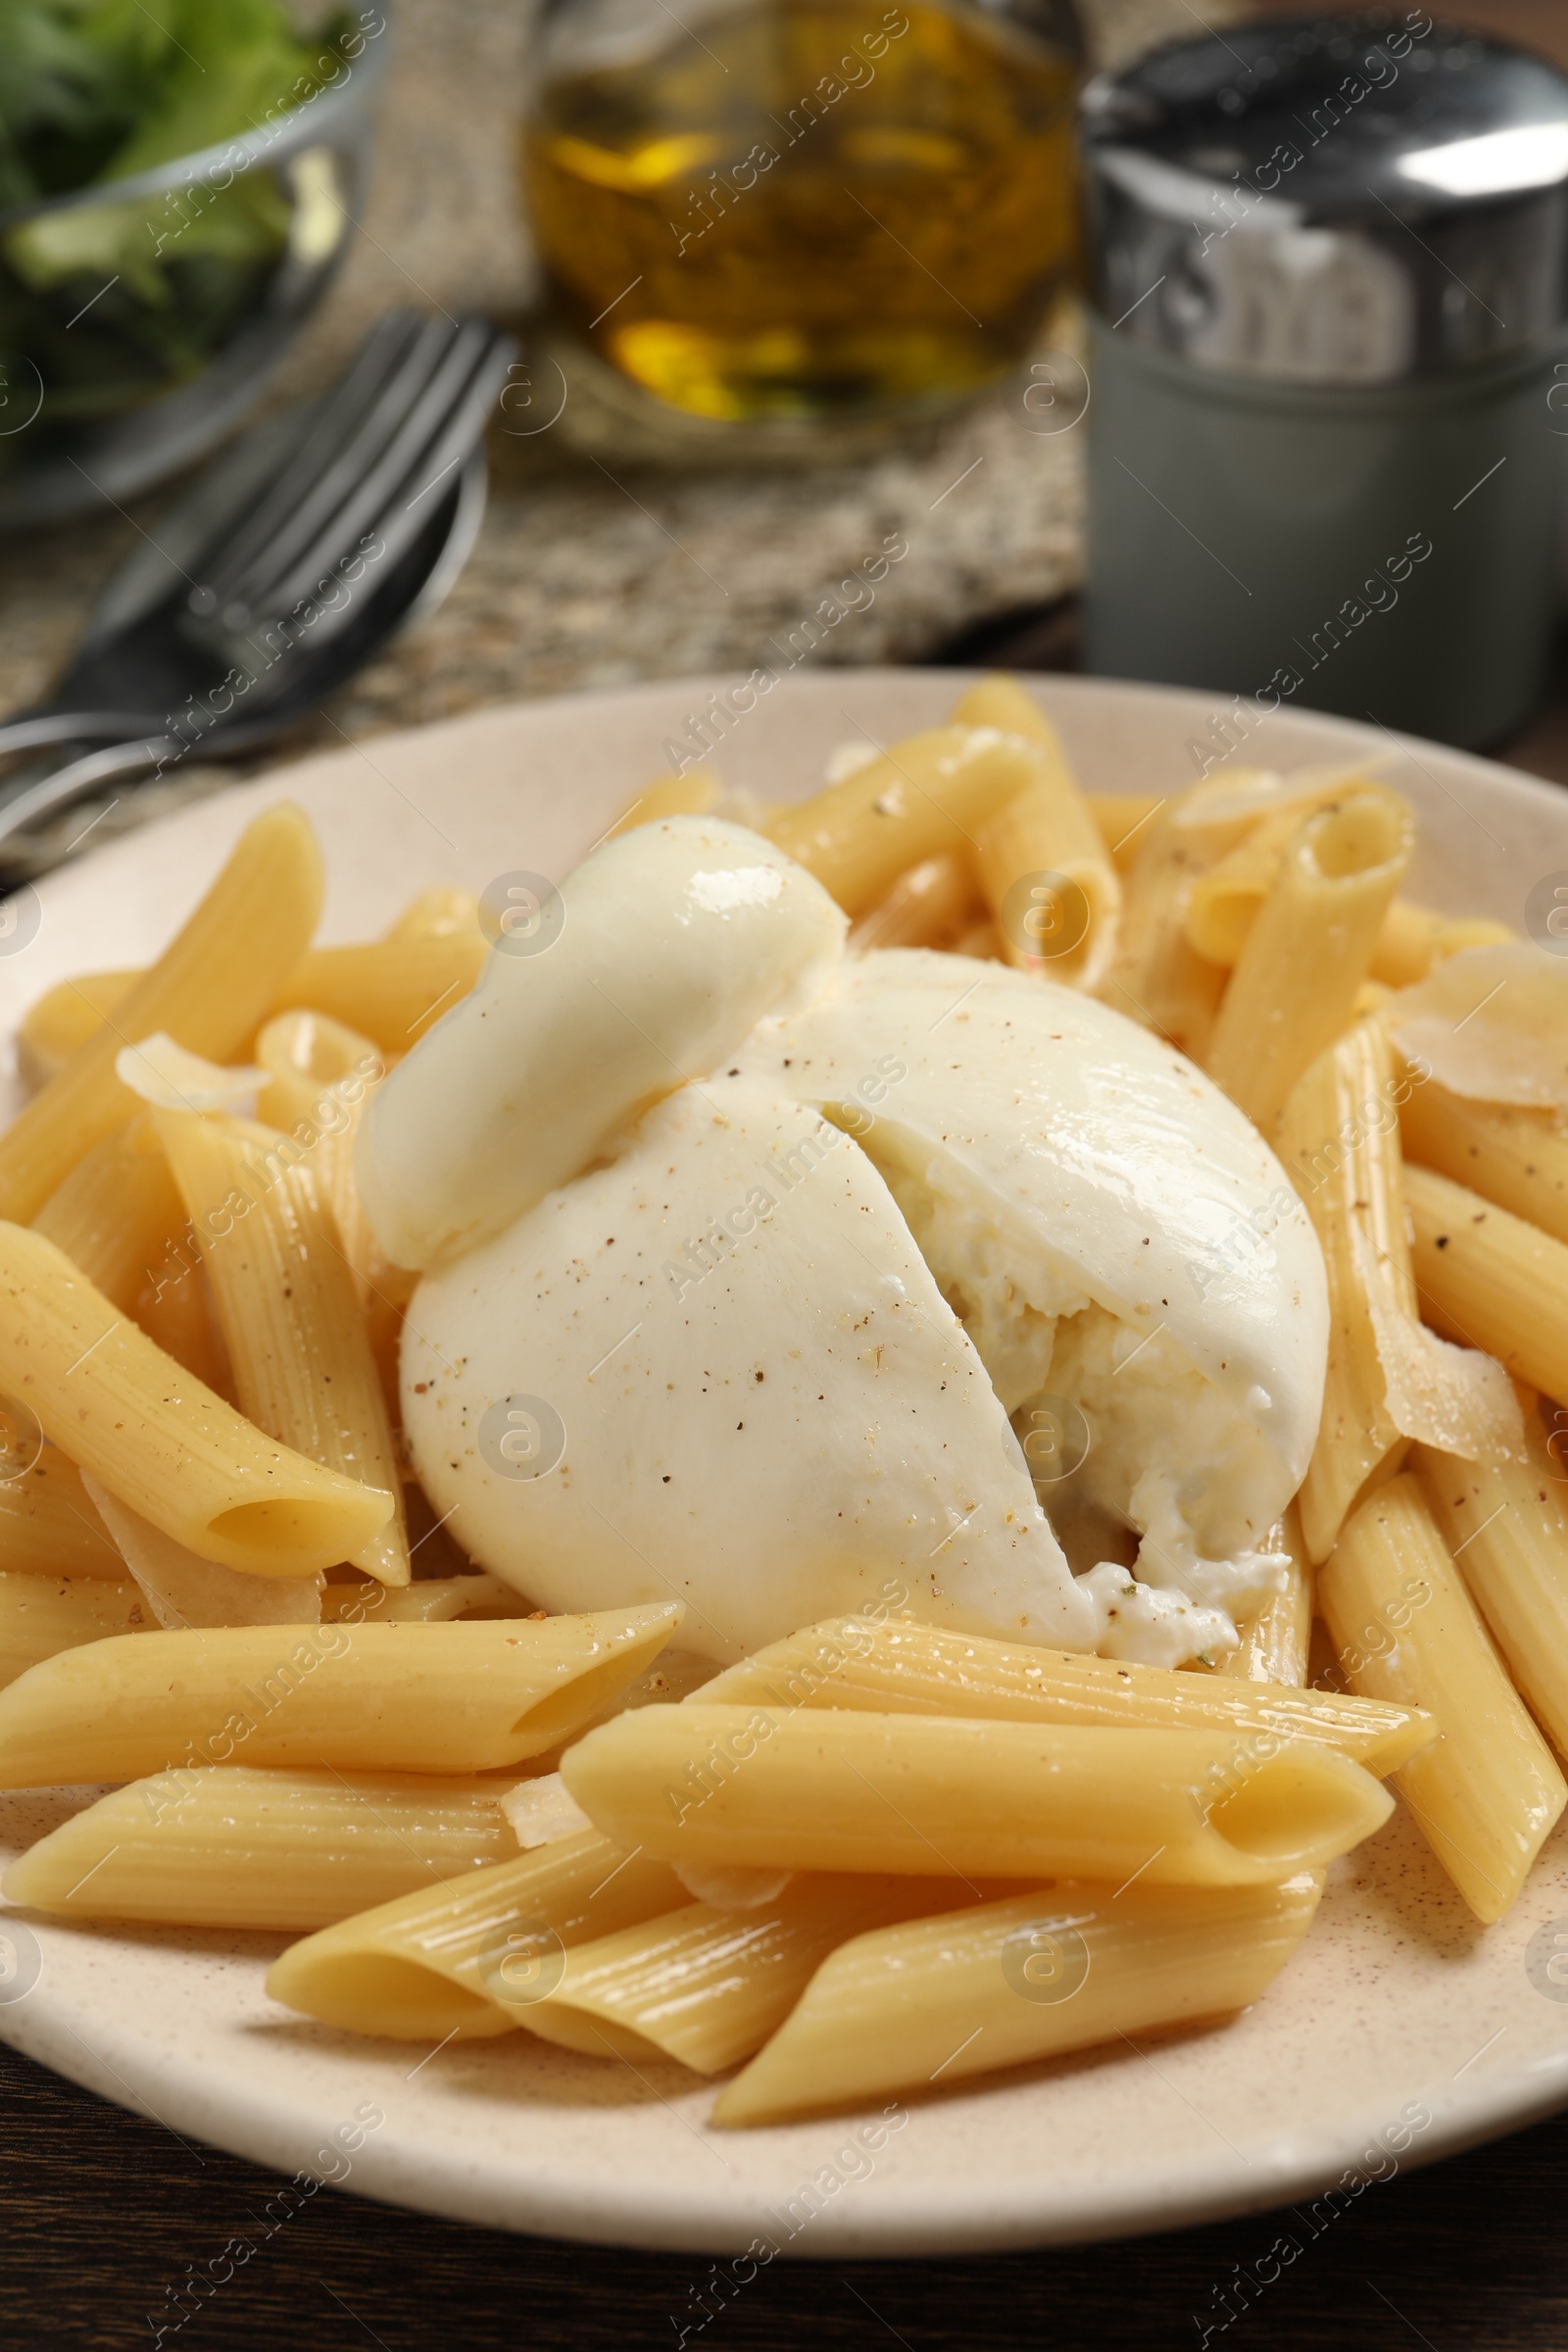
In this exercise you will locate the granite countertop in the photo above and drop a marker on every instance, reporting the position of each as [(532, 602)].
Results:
[(580, 580)]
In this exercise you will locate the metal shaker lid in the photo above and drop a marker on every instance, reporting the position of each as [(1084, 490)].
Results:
[(1332, 200)]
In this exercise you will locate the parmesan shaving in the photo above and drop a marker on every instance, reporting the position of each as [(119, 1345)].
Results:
[(182, 1590), (165, 1075), (1453, 1399), (1491, 1024)]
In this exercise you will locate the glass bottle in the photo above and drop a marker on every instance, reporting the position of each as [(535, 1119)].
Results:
[(791, 210)]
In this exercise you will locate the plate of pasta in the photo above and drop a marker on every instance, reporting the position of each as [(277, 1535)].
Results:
[(781, 1468)]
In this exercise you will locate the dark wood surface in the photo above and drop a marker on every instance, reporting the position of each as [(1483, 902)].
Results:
[(104, 2211)]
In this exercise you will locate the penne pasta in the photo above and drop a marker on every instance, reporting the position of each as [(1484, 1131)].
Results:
[(48, 1525), (1516, 1158), (830, 1790), (1508, 1529), (319, 1077), (442, 1699), (904, 1667), (59, 1023), (1487, 1278), (391, 990), (1048, 877), (208, 990), (929, 906), (691, 795), (1276, 1644), (302, 1361), (1015, 1981), (708, 1986), (232, 1847), (42, 1615), (116, 1213), (474, 1960), (1412, 939), (1225, 901), (1000, 702), (180, 1590), (1388, 1380), (1042, 863), (1123, 819), (1486, 1791), (156, 1437), (1293, 986), (1159, 978), (436, 913), (928, 794), (433, 1601), (1355, 1197)]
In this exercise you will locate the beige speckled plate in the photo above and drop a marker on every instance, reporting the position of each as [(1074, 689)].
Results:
[(1399, 2006)]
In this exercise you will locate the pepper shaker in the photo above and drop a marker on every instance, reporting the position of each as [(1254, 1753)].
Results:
[(1329, 339)]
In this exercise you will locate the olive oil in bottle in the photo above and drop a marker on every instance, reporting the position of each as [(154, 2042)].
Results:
[(811, 208)]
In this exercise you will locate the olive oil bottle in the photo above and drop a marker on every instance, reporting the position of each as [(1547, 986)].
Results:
[(810, 208)]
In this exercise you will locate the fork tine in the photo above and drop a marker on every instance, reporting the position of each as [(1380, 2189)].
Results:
[(400, 521), (338, 416), (369, 431), (452, 393)]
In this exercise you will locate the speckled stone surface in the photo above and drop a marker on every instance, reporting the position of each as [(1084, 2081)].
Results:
[(580, 580)]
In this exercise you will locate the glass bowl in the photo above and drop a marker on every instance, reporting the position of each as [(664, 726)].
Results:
[(139, 318)]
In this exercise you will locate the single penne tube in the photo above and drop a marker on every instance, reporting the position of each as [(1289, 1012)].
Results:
[(180, 1590), (1507, 1530), (391, 989), (177, 1313), (831, 1789), (116, 1213), (690, 795), (1516, 1158), (1487, 1278), (472, 1960), (1013, 1982), (928, 794), (902, 1667), (153, 1435), (1123, 819), (208, 990), (1486, 1791), (303, 1365), (319, 1078), (708, 1986), (1225, 901), (42, 1615), (1276, 1644), (49, 1526), (1157, 977), (999, 701), (1042, 860), (1354, 1196), (464, 1697), (59, 1023), (436, 912), (228, 1847), (926, 907), (1405, 945), (1054, 893), (1293, 990)]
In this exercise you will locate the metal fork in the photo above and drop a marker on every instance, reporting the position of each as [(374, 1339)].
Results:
[(278, 586)]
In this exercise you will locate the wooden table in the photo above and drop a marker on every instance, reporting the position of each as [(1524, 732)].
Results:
[(104, 2212)]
